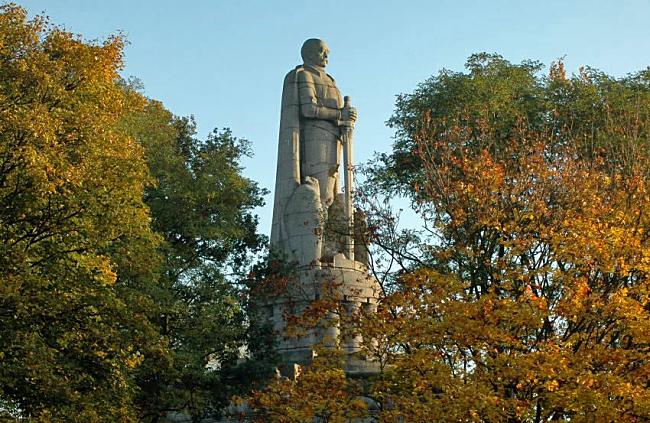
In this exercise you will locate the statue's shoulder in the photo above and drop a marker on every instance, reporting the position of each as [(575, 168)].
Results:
[(294, 73)]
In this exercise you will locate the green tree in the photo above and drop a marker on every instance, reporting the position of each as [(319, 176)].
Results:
[(72, 218), (123, 240), (203, 208)]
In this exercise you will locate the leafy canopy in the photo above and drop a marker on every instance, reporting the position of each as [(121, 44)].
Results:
[(526, 297), (72, 218), (203, 208), (122, 235)]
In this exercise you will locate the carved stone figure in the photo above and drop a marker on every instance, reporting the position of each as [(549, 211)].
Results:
[(313, 222), (312, 119), (306, 211)]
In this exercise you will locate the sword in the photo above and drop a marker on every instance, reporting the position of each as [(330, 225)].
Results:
[(348, 127)]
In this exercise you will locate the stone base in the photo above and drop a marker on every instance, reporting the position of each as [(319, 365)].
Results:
[(358, 367), (342, 280), (353, 365)]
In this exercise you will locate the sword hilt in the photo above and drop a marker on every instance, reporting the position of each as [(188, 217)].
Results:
[(348, 124)]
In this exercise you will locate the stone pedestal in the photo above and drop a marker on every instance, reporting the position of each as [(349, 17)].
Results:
[(344, 281)]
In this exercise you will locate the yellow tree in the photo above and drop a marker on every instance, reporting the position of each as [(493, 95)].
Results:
[(71, 219), (526, 297), (320, 391), (532, 304)]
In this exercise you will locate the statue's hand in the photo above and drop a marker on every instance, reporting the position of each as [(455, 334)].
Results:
[(349, 113)]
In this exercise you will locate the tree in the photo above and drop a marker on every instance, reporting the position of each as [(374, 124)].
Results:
[(527, 298), (72, 218), (203, 208), (123, 239), (321, 391), (533, 303)]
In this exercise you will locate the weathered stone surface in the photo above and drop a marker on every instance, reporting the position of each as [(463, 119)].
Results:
[(303, 216), (312, 119), (312, 220)]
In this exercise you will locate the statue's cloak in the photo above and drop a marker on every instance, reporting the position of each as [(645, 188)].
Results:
[(287, 177)]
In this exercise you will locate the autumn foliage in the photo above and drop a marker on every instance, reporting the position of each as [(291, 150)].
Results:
[(116, 227), (526, 298), (523, 298), (71, 214), (535, 302), (320, 391)]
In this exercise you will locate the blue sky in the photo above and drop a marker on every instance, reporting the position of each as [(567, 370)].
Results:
[(224, 61)]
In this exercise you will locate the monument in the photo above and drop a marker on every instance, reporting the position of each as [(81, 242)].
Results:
[(313, 221)]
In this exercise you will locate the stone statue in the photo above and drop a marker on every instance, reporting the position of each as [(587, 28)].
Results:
[(313, 121), (314, 223)]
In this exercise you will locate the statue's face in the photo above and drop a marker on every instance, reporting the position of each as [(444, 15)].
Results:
[(318, 54)]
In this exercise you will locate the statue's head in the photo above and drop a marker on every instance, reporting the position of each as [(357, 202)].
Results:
[(315, 52)]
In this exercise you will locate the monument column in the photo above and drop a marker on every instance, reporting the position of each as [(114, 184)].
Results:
[(313, 222)]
